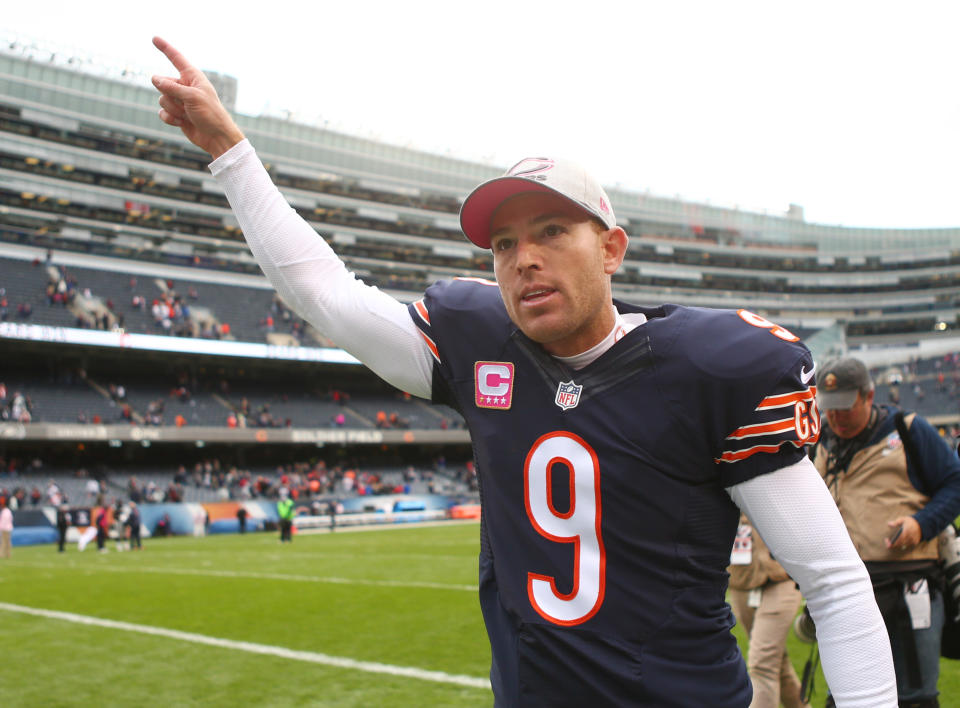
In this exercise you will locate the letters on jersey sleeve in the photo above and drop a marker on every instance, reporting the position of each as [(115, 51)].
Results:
[(785, 419)]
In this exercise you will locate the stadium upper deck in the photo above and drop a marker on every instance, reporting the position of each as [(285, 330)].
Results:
[(85, 166)]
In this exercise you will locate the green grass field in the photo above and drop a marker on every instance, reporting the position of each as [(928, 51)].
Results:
[(402, 598)]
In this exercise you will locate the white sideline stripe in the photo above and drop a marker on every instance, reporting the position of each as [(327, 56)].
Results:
[(282, 652), (255, 576)]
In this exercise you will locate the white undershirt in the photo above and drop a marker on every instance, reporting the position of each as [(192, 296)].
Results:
[(790, 508), (621, 326)]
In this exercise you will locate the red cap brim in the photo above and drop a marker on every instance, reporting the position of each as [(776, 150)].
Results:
[(478, 208)]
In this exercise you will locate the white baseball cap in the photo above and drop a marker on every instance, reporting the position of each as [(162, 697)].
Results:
[(533, 174)]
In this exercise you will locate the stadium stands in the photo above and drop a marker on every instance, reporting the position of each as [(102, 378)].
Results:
[(110, 223)]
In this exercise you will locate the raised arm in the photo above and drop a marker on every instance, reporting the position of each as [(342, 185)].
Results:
[(190, 102), (368, 323)]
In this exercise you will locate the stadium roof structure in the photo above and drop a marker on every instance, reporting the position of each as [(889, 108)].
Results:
[(62, 92)]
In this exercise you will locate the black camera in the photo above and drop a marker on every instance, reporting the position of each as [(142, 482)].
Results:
[(804, 627), (949, 545)]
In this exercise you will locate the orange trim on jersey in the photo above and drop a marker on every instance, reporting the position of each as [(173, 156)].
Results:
[(482, 281), (777, 426), (421, 309), (430, 345), (786, 399), (743, 454)]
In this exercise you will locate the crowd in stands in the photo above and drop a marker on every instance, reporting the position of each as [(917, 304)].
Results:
[(212, 480), (21, 312), (114, 301), (406, 268), (697, 245), (15, 406), (929, 386)]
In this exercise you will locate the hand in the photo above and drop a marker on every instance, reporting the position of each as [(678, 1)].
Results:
[(191, 103), (909, 537)]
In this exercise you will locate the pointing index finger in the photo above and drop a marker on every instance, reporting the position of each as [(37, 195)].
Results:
[(175, 57)]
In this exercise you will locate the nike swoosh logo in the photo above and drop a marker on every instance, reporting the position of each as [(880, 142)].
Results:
[(805, 376)]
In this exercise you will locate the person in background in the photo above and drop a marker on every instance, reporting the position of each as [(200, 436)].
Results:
[(101, 519), (119, 527), (897, 485), (285, 511), (63, 523), (133, 527), (765, 601), (242, 518), (332, 509), (6, 528)]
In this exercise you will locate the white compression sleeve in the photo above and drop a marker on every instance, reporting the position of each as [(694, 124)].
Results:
[(799, 521), (368, 323)]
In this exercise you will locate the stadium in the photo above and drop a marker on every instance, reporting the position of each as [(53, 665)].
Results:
[(145, 353)]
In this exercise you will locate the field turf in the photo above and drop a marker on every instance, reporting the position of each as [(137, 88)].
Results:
[(386, 617)]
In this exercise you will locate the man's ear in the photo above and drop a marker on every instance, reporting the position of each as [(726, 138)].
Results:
[(614, 243)]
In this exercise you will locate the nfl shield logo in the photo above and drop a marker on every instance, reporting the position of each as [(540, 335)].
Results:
[(568, 395)]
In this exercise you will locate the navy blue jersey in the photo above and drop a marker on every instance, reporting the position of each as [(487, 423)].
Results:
[(606, 527)]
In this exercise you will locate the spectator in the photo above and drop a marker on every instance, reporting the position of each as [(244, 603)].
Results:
[(101, 519), (133, 527), (64, 520), (286, 513), (93, 489), (897, 485), (6, 528), (53, 494), (163, 526), (133, 490), (765, 601)]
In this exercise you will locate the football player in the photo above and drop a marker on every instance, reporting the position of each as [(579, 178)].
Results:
[(614, 443)]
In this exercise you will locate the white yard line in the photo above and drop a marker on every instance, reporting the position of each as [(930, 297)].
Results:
[(251, 575), (253, 648)]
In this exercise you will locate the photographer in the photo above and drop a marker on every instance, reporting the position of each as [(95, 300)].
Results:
[(897, 485)]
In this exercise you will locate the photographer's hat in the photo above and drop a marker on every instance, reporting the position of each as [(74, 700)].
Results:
[(839, 382)]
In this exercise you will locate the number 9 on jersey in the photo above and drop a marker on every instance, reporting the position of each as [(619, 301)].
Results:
[(579, 525)]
